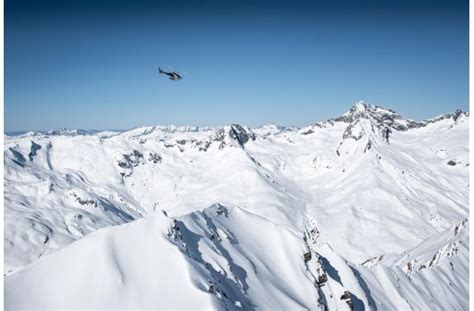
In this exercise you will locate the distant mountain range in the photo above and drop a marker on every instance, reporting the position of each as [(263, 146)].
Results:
[(368, 210)]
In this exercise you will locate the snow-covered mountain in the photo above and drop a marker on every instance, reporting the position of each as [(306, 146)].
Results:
[(366, 211)]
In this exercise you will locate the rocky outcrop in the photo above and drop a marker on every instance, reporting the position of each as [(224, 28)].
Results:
[(373, 125), (233, 134), (67, 132), (379, 116), (83, 201), (131, 160), (34, 148), (18, 158), (154, 157), (239, 134)]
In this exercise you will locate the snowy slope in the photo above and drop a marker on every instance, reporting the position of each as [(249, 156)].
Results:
[(213, 252), (380, 202)]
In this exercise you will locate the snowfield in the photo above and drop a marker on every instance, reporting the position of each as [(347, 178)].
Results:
[(365, 211)]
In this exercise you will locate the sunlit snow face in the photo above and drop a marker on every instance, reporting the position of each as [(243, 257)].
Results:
[(368, 187)]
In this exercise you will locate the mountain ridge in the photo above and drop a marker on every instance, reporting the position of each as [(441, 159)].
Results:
[(341, 197), (359, 109)]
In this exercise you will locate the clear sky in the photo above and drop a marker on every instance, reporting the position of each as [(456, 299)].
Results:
[(93, 64)]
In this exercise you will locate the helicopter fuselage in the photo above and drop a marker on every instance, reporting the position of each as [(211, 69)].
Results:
[(172, 75)]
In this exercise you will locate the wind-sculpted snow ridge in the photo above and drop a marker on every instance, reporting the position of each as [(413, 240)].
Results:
[(365, 211), (227, 267)]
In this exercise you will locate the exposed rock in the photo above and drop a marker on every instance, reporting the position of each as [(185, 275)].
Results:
[(203, 145), (312, 128), (457, 114), (210, 288), (220, 209), (368, 146), (154, 157), (66, 132), (19, 159), (307, 257), (346, 295), (307, 132), (238, 133), (84, 201), (34, 147), (323, 278), (363, 117), (131, 160), (314, 234), (386, 134), (460, 226), (353, 131)]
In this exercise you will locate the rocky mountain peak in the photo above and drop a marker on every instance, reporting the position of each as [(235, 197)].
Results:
[(379, 115), (233, 135), (240, 134)]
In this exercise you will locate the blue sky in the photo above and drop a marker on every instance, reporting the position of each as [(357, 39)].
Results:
[(93, 64)]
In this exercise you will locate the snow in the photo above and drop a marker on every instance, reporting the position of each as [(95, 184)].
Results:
[(103, 270), (369, 194)]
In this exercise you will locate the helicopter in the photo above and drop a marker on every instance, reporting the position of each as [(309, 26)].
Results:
[(173, 74)]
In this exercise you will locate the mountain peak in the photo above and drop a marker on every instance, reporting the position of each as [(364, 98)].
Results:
[(378, 116), (372, 122), (362, 108)]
